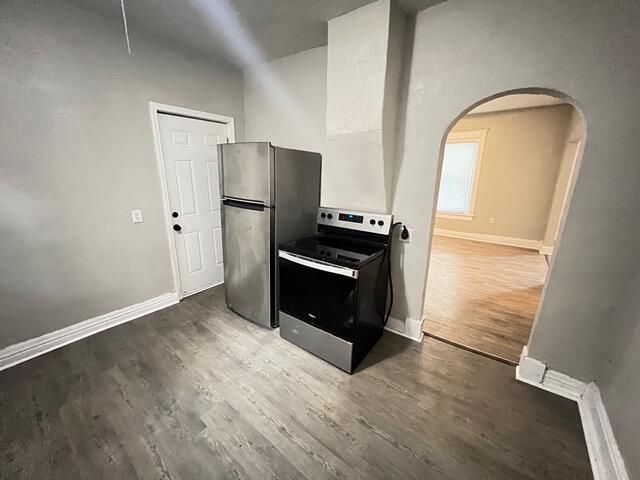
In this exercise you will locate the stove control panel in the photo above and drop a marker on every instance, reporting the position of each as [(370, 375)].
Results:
[(363, 221)]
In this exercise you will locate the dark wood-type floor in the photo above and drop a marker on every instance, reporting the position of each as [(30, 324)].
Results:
[(483, 296), (194, 391)]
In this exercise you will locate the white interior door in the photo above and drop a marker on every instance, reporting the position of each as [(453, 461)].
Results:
[(189, 149)]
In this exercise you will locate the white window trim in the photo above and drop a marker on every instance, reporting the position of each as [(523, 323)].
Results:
[(478, 136), (455, 216)]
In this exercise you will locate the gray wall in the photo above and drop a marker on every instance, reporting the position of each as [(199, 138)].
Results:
[(298, 120), (466, 51), (78, 154), (618, 378)]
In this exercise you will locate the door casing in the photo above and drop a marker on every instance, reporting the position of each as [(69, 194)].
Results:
[(154, 109)]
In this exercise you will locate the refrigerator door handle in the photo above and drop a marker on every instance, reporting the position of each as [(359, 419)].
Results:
[(246, 204)]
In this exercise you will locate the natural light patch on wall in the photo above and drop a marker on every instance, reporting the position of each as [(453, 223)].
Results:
[(240, 42), (304, 75)]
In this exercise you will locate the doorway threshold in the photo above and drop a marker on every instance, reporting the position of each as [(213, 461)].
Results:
[(471, 349)]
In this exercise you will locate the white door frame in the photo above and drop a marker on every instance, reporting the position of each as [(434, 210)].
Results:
[(154, 109)]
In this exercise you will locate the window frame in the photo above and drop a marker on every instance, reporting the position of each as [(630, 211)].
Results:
[(466, 136)]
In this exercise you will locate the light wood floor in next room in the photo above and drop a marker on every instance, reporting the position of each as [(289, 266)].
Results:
[(483, 296), (195, 392)]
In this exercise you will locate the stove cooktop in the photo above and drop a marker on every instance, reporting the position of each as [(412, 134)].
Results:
[(337, 250)]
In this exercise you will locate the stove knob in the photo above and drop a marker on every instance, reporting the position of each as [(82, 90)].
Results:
[(329, 216), (323, 215), (372, 221), (380, 222)]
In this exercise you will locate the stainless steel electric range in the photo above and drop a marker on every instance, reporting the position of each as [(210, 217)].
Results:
[(333, 286)]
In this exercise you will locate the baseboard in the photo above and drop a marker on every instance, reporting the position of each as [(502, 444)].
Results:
[(546, 250), (486, 238), (535, 372), (605, 457), (409, 328), (23, 351)]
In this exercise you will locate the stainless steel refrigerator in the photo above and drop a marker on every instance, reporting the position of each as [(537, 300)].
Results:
[(270, 196)]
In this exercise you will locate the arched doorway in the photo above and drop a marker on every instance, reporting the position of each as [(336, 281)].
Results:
[(507, 165)]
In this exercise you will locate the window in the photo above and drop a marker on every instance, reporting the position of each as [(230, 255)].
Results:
[(460, 174)]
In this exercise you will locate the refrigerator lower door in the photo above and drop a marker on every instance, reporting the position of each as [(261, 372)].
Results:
[(248, 260)]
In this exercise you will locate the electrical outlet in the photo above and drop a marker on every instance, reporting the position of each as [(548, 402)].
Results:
[(409, 239), (136, 216), (492, 220)]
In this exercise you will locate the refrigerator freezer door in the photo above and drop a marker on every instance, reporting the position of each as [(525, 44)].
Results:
[(247, 171), (247, 260)]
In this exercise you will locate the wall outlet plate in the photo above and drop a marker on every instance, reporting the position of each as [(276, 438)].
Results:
[(407, 240), (136, 216)]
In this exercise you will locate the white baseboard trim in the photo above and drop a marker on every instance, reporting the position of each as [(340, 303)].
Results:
[(605, 457), (497, 239), (409, 328), (535, 372), (546, 250), (23, 351)]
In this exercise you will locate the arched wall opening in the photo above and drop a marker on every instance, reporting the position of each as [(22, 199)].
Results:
[(464, 52), (507, 314)]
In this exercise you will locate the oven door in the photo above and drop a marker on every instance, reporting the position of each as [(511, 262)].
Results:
[(318, 293)]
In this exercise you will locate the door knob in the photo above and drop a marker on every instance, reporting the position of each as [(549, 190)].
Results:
[(174, 214), (177, 228)]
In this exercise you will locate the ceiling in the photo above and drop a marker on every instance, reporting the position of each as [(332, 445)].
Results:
[(240, 31), (515, 102)]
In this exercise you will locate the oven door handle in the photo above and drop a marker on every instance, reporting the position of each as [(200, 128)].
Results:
[(318, 265)]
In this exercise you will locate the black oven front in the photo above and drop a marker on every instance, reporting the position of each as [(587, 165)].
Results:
[(319, 293)]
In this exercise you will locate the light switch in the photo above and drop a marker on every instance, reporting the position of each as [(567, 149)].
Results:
[(136, 216)]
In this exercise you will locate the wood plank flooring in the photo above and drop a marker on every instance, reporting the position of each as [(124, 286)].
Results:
[(483, 296), (194, 391)]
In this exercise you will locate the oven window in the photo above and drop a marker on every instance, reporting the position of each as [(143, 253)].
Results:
[(325, 300)]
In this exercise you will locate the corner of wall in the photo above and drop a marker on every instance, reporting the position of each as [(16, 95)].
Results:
[(605, 456)]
